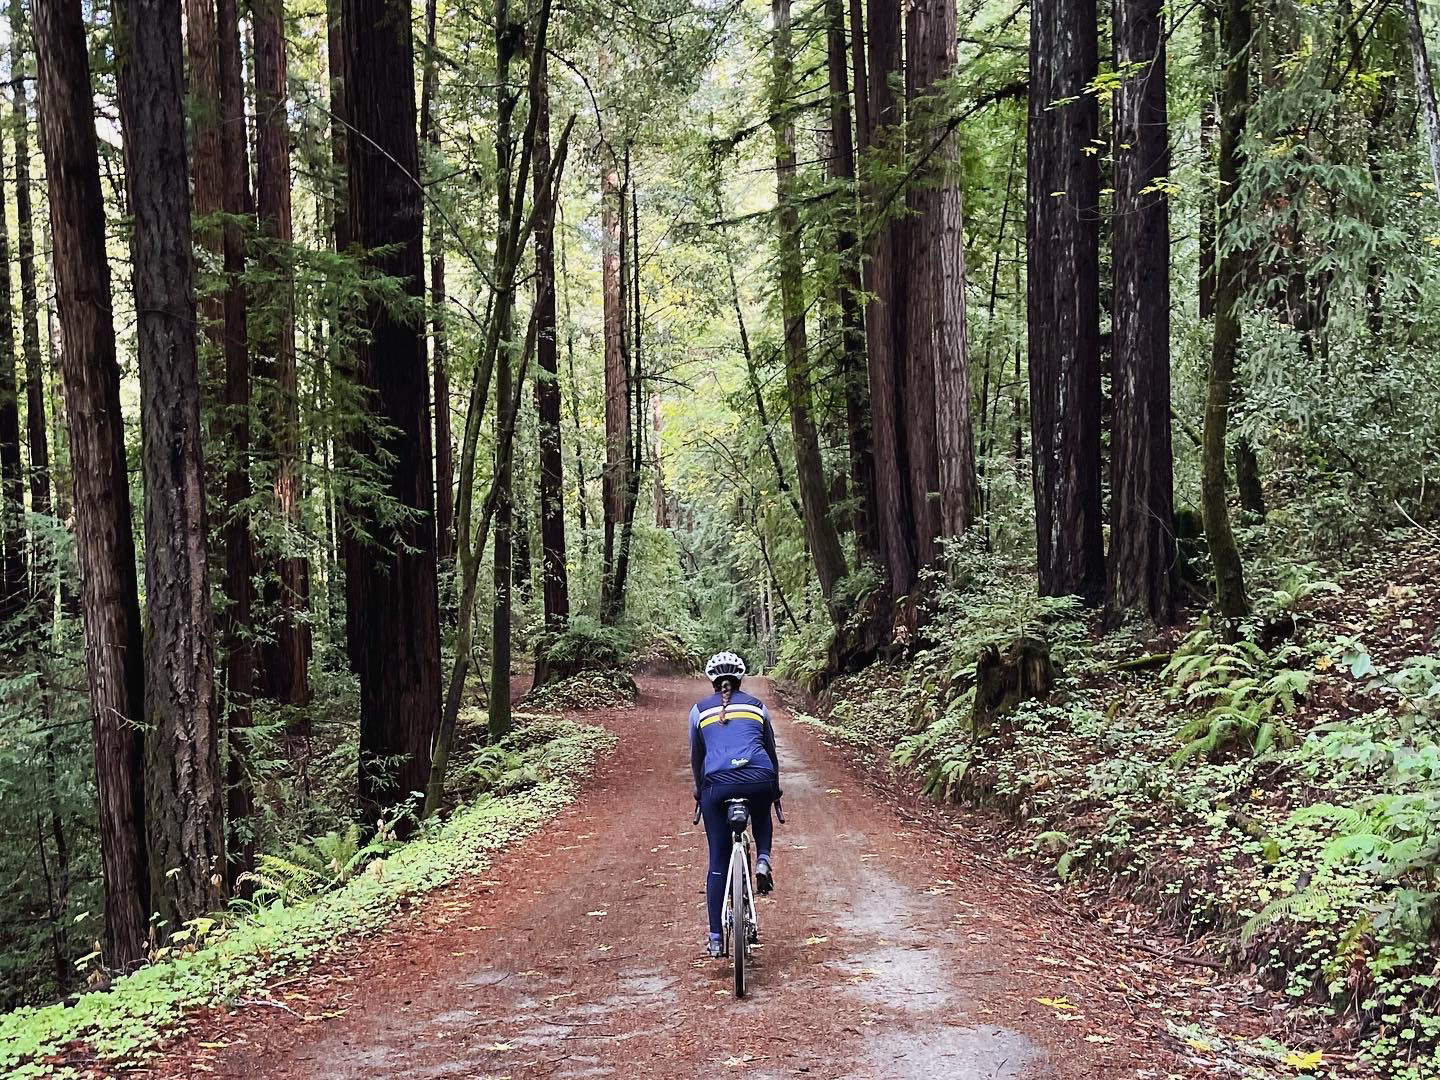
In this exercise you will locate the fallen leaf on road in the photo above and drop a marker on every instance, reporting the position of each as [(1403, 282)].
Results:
[(832, 791), (597, 913), (816, 940), (1055, 1002), (1297, 1060), (1098, 1039), (499, 1047)]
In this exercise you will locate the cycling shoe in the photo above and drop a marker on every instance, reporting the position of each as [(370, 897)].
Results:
[(764, 878)]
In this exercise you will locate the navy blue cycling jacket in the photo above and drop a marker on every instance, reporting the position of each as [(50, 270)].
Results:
[(732, 744)]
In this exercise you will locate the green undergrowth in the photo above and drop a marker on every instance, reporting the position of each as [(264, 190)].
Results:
[(608, 689), (1278, 796), (230, 959)]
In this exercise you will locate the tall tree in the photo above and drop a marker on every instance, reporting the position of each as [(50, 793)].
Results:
[(13, 591), (885, 310), (555, 581), (1235, 34), (440, 348), (182, 750), (104, 543), (285, 654), (809, 467), (938, 387), (1063, 298), (1140, 570), (508, 34), (848, 289), (397, 637), (615, 476), (37, 436), (1424, 87), (236, 636)]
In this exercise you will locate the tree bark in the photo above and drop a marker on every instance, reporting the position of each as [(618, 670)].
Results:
[(848, 291), (1424, 87), (1140, 571), (938, 389), (236, 624), (885, 310), (615, 477), (1063, 299), (508, 33), (37, 435), (440, 347), (104, 542), (398, 630), (182, 750), (809, 467), (1235, 34), (14, 592), (221, 185), (285, 653), (1206, 283), (554, 575)]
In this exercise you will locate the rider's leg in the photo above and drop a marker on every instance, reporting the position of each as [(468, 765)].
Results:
[(717, 832)]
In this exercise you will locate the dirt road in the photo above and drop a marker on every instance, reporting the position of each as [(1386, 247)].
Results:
[(885, 953)]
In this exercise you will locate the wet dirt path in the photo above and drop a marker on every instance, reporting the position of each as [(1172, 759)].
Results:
[(579, 954)]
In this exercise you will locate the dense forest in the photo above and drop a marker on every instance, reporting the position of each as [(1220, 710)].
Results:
[(1033, 382)]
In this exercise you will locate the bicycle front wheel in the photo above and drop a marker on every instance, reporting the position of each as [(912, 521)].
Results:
[(739, 937)]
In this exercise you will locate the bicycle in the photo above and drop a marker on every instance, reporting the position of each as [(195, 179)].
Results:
[(740, 889)]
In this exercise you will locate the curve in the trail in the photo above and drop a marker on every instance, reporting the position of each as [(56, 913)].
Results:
[(580, 953)]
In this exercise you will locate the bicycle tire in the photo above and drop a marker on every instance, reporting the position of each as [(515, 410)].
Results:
[(739, 934)]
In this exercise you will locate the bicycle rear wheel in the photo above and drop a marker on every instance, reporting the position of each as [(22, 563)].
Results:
[(739, 937)]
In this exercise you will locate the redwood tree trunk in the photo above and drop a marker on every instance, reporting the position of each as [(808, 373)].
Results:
[(615, 477), (182, 751), (235, 625), (1142, 541), (852, 321), (1424, 87), (440, 351), (938, 390), (104, 543), (885, 311), (13, 591), (285, 654), (397, 623), (1063, 293), (37, 434), (1235, 34), (554, 576), (809, 467), (507, 34)]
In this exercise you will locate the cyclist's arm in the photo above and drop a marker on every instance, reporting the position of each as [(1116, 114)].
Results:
[(697, 750), (769, 737)]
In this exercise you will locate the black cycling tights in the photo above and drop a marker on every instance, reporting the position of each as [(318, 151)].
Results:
[(717, 831)]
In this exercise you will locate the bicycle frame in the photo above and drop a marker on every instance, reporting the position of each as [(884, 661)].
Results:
[(740, 849)]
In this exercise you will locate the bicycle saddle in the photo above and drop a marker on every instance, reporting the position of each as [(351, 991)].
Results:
[(738, 815)]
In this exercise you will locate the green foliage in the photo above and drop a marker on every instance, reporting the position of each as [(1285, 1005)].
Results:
[(587, 644), (319, 865), (1248, 695), (283, 935)]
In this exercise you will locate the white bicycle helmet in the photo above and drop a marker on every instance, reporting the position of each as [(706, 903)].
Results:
[(724, 665)]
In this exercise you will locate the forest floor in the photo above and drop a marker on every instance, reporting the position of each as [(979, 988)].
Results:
[(897, 945)]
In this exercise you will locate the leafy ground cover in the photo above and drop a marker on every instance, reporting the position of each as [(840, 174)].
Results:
[(1275, 799), (314, 898), (608, 689)]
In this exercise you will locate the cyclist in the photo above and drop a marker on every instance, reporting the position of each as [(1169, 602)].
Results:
[(732, 756)]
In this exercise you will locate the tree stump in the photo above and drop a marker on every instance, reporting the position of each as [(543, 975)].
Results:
[(1024, 672)]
